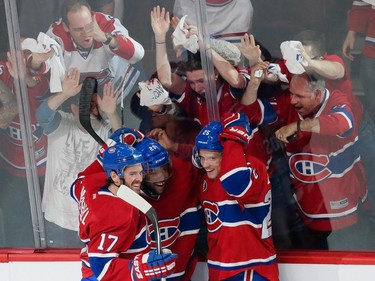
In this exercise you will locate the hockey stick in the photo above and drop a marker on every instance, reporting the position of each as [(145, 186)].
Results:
[(133, 198), (124, 192), (85, 96)]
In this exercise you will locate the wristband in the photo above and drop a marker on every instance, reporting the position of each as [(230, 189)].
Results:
[(299, 125)]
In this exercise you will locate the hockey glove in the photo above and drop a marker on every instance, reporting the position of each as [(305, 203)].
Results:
[(127, 135), (152, 266), (122, 135), (236, 127)]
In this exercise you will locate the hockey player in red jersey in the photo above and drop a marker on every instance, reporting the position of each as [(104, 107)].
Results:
[(171, 187), (115, 232), (236, 199)]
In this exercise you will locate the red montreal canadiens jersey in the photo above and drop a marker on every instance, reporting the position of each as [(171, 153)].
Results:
[(228, 101), (227, 97), (326, 169), (180, 217), (114, 230), (11, 149), (237, 207)]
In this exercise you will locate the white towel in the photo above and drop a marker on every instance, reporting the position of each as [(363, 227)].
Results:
[(227, 50), (153, 93), (180, 37), (44, 44), (274, 71), (294, 61)]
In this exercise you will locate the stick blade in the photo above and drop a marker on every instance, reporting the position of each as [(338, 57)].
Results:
[(134, 199)]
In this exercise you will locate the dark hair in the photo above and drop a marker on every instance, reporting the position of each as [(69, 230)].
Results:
[(314, 39), (193, 62), (72, 5)]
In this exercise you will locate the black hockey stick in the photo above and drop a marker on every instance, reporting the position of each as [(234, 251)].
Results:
[(124, 193), (85, 96)]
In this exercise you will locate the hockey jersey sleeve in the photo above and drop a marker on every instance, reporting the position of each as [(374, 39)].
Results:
[(259, 113), (87, 183), (241, 178), (128, 48), (339, 121)]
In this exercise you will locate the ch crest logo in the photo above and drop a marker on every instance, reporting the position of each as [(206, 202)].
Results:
[(211, 212), (309, 168), (169, 231)]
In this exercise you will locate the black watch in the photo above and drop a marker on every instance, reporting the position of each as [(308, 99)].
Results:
[(109, 37)]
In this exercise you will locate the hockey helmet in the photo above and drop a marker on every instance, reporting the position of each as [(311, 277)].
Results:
[(208, 137), (119, 156), (155, 157)]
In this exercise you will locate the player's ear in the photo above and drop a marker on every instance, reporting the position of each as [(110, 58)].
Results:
[(115, 178)]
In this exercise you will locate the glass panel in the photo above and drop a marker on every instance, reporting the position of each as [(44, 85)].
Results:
[(183, 73), (18, 135)]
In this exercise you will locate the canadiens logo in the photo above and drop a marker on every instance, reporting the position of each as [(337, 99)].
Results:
[(15, 134), (309, 168), (169, 232), (211, 212)]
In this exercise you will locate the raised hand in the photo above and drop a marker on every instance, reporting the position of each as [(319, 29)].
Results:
[(236, 127), (107, 103), (162, 137), (93, 30), (127, 135), (250, 51), (160, 23), (70, 84), (123, 135)]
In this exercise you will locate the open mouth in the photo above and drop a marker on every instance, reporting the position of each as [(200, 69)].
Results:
[(159, 184)]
